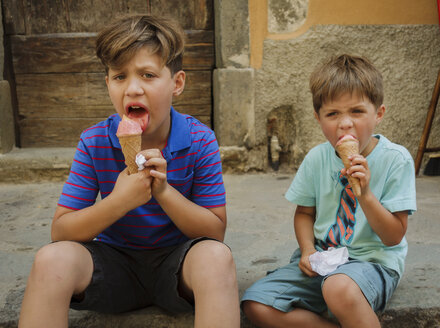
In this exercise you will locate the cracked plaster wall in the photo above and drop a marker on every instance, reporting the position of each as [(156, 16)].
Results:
[(408, 56)]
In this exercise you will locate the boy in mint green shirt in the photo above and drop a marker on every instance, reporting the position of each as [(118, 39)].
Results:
[(348, 100)]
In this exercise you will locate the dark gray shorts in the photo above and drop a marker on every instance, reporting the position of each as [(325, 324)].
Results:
[(126, 279)]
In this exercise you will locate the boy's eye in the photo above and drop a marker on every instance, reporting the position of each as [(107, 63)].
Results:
[(119, 77), (148, 75), (331, 114)]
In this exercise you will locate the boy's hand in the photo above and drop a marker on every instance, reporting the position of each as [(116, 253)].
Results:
[(132, 190), (359, 169), (157, 166), (304, 263)]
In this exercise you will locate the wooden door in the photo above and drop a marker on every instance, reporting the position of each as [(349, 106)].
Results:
[(58, 80)]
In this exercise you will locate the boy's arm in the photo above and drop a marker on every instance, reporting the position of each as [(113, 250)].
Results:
[(390, 227), (130, 191), (191, 219), (303, 224)]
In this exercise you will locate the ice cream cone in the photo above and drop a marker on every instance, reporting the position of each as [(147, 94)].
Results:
[(345, 148), (131, 145), (130, 137)]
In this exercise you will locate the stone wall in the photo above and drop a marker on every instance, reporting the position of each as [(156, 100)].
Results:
[(255, 99)]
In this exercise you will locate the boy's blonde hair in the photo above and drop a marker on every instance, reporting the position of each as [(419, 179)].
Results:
[(119, 41), (346, 73)]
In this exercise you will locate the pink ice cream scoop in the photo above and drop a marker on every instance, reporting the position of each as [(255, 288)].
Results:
[(128, 127)]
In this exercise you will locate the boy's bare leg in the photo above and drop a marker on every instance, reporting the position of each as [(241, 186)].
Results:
[(209, 272), (60, 270), (346, 301), (264, 316)]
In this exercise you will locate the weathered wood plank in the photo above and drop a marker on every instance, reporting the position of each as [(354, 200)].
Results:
[(62, 95), (53, 132), (75, 52), (52, 53), (203, 15), (61, 132), (13, 17), (191, 14), (54, 16), (85, 95)]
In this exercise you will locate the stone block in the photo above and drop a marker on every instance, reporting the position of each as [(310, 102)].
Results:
[(234, 107), (231, 33)]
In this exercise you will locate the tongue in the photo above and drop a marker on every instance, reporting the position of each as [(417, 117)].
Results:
[(140, 117)]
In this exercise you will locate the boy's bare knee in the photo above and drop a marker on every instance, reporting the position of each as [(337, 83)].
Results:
[(212, 252), (256, 312), (209, 261), (59, 259), (341, 291), (250, 308), (47, 256)]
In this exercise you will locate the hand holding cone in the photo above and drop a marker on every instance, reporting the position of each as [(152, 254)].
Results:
[(347, 146), (130, 137)]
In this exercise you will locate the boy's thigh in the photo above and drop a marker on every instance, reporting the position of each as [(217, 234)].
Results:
[(376, 282), (288, 288)]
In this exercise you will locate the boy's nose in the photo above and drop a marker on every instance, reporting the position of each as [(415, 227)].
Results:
[(133, 88), (345, 122)]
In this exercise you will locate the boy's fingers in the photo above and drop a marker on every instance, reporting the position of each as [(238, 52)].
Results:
[(151, 153)]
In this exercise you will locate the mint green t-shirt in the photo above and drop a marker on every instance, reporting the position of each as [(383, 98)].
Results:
[(392, 182)]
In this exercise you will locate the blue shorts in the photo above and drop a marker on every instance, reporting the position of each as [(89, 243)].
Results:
[(288, 287)]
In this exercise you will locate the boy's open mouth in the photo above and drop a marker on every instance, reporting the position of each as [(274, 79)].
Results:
[(138, 113)]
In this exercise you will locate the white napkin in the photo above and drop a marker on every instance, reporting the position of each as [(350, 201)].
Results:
[(140, 160), (327, 261)]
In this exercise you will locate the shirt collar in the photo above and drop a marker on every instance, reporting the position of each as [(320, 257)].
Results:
[(179, 137)]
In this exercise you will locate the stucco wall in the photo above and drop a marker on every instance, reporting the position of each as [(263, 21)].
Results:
[(407, 56), (288, 38)]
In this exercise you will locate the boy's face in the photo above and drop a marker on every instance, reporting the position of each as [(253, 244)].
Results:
[(350, 114), (143, 90)]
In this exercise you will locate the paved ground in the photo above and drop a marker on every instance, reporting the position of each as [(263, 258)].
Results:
[(260, 234)]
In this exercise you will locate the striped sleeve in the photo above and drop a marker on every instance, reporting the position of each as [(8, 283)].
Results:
[(81, 187), (208, 188)]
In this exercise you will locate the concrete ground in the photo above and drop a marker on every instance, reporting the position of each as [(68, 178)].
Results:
[(260, 234)]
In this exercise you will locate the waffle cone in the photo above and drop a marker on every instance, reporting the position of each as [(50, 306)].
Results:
[(131, 146), (346, 149)]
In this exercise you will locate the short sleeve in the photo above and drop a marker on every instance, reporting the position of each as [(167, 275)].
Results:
[(208, 188), (81, 188), (399, 192), (301, 190)]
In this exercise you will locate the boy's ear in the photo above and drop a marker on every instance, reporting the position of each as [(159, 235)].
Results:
[(179, 82), (380, 113), (316, 116), (106, 80)]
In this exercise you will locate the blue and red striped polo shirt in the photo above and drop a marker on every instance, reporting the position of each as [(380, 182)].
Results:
[(193, 168)]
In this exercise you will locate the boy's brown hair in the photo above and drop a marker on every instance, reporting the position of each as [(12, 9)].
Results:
[(346, 73), (120, 40)]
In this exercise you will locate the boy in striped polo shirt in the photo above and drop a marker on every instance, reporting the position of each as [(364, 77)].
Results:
[(155, 236)]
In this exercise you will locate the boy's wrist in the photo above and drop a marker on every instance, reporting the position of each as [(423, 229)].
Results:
[(162, 193), (116, 206)]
